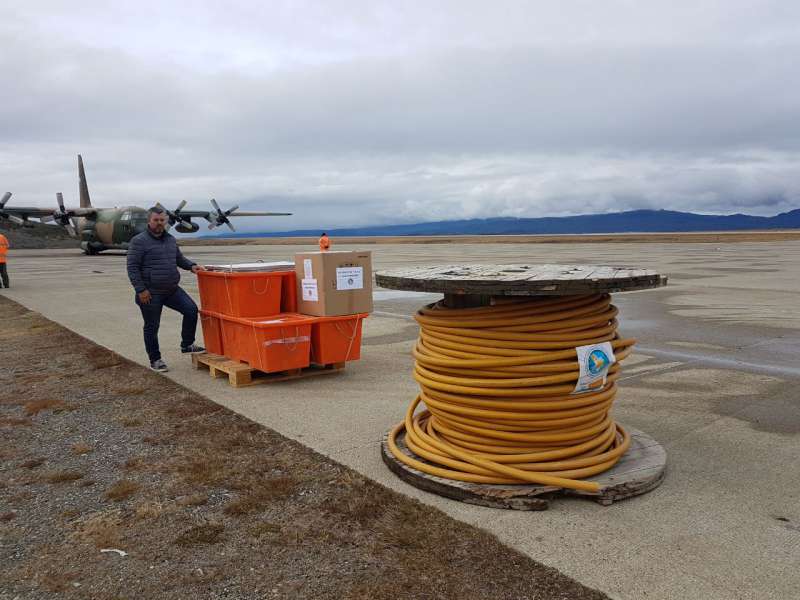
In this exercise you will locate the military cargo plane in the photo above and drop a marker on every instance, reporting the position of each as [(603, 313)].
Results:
[(112, 228)]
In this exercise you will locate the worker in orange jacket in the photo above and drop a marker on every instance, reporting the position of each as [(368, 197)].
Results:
[(3, 252), (324, 243)]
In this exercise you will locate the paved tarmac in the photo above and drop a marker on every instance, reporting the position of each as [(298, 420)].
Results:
[(714, 379)]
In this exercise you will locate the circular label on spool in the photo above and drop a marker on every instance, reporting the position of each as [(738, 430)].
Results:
[(597, 361)]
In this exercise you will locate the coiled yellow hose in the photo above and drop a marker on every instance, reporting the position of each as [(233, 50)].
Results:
[(497, 385)]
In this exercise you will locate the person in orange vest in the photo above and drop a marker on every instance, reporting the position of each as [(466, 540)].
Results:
[(324, 243), (3, 252)]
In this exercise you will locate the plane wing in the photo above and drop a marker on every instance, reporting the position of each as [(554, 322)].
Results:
[(20, 214), (25, 212), (32, 212), (215, 217)]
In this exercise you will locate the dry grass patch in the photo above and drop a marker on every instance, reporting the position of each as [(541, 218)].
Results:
[(103, 530), (148, 510), (81, 448), (206, 533), (63, 476), (258, 494), (36, 406), (186, 410), (15, 422), (130, 421), (32, 463), (56, 581), (102, 358), (7, 516), (20, 498), (203, 576), (263, 528), (27, 381), (400, 528), (134, 463), (206, 469), (40, 325), (360, 501), (132, 391), (122, 490), (197, 499)]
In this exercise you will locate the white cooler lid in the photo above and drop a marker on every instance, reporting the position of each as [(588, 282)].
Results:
[(253, 267)]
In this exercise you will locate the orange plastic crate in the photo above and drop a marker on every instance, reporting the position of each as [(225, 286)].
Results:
[(336, 339), (289, 292), (280, 342), (247, 294), (212, 333)]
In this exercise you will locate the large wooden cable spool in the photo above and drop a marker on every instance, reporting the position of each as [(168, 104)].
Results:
[(502, 422)]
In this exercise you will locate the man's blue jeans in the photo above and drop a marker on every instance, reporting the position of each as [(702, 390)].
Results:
[(177, 300)]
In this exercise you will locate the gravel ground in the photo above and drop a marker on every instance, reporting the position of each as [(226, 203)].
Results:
[(116, 483)]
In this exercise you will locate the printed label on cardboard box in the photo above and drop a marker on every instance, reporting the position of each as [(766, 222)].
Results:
[(594, 361), (310, 291), (307, 272), (350, 278)]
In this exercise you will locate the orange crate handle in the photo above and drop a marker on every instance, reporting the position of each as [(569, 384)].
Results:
[(352, 335), (266, 287)]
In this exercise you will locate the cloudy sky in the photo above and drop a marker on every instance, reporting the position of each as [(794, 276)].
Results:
[(354, 113)]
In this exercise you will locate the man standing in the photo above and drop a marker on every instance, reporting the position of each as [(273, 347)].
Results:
[(153, 261), (3, 252)]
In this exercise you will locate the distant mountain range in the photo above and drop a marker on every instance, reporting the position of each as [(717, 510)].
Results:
[(634, 221)]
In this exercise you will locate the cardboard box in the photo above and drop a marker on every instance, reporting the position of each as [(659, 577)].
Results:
[(334, 283)]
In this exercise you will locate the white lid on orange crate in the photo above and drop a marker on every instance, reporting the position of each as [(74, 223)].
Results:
[(253, 267)]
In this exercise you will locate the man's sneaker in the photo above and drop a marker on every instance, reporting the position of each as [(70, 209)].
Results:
[(193, 349), (159, 365)]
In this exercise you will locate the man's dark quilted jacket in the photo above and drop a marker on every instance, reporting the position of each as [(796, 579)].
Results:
[(153, 263)]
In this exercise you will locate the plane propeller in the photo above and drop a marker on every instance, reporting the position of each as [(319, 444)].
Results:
[(62, 216), (12, 218), (183, 224), (220, 217)]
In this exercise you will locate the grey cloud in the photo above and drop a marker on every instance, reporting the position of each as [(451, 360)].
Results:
[(466, 101), (688, 119)]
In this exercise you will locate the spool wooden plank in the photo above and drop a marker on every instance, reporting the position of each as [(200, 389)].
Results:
[(640, 470), (520, 279)]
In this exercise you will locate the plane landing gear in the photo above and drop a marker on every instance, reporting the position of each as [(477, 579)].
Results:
[(89, 248)]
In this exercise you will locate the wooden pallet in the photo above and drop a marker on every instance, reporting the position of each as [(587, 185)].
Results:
[(241, 374)]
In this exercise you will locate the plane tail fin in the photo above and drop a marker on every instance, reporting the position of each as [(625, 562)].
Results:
[(86, 202)]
